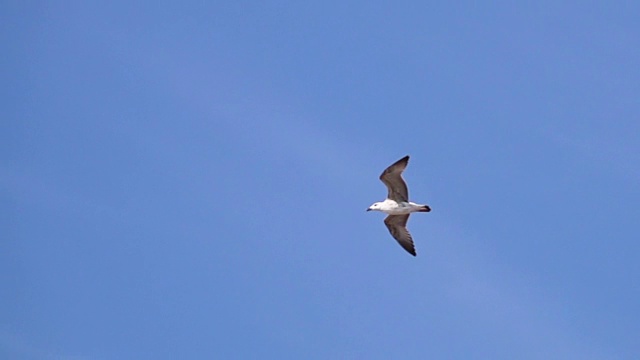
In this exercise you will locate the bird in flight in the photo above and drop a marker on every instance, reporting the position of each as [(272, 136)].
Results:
[(397, 204)]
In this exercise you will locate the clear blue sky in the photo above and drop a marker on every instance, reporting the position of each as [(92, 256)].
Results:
[(189, 180)]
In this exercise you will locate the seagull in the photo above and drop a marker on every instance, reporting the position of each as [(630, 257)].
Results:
[(397, 204)]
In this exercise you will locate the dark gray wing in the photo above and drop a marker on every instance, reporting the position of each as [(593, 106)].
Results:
[(397, 225), (392, 177)]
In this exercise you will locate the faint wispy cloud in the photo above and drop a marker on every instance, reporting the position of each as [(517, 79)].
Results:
[(257, 116), (508, 303)]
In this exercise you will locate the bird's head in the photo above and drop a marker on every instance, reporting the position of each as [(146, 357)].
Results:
[(374, 207)]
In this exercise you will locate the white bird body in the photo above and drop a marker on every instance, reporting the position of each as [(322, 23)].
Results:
[(392, 207)]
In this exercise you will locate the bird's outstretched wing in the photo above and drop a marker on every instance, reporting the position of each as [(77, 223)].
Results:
[(392, 178), (397, 225)]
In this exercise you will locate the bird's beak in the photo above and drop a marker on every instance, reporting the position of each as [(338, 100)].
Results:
[(368, 209)]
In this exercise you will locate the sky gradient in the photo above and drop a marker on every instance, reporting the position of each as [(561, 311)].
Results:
[(189, 180)]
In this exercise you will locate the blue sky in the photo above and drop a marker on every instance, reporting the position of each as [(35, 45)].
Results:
[(189, 180)]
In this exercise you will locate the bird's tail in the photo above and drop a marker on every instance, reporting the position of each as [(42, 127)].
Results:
[(425, 208)]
